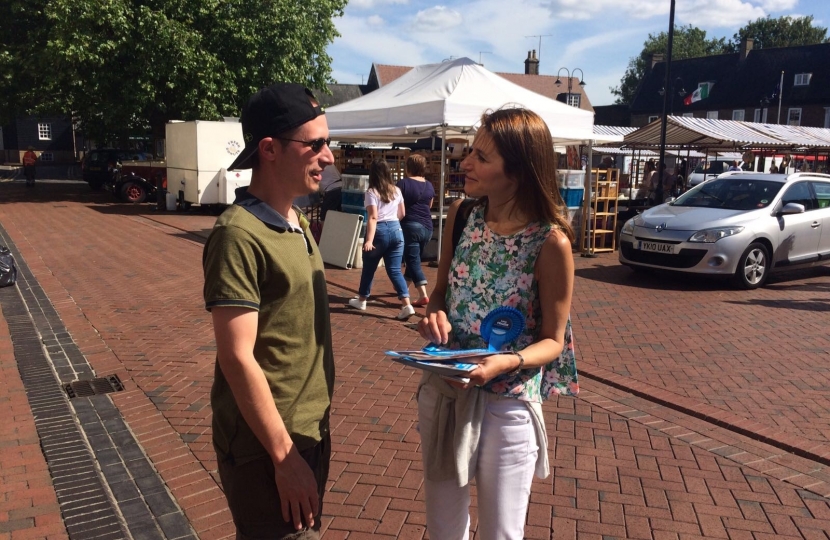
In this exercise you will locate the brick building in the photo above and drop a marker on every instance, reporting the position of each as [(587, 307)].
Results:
[(742, 86)]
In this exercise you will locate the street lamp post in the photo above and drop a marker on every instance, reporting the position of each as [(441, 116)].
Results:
[(570, 81), (678, 82), (661, 165)]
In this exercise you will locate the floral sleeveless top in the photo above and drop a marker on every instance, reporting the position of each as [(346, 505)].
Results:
[(491, 270)]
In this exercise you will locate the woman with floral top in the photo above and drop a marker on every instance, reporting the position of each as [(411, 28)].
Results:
[(515, 251)]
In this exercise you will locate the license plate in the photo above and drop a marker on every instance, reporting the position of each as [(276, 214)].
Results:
[(657, 247)]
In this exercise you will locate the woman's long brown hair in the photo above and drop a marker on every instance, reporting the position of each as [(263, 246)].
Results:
[(380, 179), (524, 142)]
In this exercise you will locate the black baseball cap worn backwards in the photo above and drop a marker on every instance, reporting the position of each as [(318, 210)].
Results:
[(273, 110)]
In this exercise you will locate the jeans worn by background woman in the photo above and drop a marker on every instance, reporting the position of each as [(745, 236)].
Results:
[(388, 244), (415, 237)]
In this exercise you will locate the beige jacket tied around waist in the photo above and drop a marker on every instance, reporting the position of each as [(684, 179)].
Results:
[(451, 449)]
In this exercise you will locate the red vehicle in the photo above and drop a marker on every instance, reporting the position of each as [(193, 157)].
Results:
[(131, 176)]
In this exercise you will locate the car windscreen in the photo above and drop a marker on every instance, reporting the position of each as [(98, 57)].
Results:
[(731, 194), (96, 157)]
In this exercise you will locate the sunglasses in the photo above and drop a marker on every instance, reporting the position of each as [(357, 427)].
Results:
[(316, 144)]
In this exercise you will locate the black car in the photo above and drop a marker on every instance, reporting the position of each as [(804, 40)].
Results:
[(103, 167), (98, 166)]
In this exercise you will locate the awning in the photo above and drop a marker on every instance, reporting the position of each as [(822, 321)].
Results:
[(682, 131)]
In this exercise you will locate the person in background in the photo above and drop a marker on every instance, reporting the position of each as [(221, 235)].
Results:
[(331, 186), (607, 163), (773, 169), (384, 238), (265, 288), (515, 251), (29, 163), (734, 166), (645, 184), (418, 195)]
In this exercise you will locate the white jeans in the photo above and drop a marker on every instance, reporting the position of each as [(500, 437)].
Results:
[(506, 463)]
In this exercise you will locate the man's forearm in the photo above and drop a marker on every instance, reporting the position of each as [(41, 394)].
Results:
[(255, 402)]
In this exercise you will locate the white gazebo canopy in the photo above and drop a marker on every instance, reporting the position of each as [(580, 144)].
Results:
[(450, 96), (447, 100)]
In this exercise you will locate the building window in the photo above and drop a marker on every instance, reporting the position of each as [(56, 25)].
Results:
[(44, 132), (47, 156), (794, 117), (757, 117), (574, 100), (652, 119), (764, 115), (827, 117), (689, 114), (712, 115), (738, 114), (803, 79)]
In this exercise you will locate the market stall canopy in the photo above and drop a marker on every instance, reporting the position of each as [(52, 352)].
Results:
[(797, 136), (451, 95), (703, 133)]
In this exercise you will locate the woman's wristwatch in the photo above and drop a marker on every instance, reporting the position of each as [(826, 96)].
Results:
[(519, 367)]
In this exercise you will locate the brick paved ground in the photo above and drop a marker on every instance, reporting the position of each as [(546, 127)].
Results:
[(127, 284)]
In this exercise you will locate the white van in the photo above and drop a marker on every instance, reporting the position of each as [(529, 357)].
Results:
[(714, 168)]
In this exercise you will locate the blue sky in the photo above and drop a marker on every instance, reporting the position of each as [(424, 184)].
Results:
[(597, 36)]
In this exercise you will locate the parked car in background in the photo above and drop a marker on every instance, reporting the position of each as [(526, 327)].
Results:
[(97, 165), (131, 176), (741, 224), (711, 169)]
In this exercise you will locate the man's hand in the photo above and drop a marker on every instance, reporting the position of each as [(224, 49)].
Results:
[(368, 246), (297, 487), (435, 327)]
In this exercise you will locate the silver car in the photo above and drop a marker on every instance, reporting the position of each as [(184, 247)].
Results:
[(742, 224)]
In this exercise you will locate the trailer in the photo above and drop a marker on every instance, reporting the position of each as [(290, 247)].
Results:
[(198, 154)]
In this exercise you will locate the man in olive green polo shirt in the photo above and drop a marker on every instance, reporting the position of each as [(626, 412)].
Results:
[(266, 290)]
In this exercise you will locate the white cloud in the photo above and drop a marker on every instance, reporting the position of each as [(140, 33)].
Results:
[(436, 19), (383, 44), (375, 20), (778, 5), (372, 4), (701, 13)]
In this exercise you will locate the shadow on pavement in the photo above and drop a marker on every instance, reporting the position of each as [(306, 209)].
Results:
[(818, 305), (660, 280)]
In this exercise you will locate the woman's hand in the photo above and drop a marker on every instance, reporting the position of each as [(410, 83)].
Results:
[(490, 368), (435, 327), (368, 246)]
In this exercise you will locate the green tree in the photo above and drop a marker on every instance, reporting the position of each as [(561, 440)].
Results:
[(22, 35), (123, 66), (689, 42), (781, 32)]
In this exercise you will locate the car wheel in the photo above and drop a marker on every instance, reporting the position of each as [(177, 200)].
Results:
[(133, 192), (753, 267)]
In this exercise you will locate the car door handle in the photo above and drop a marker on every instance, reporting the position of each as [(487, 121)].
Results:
[(815, 224)]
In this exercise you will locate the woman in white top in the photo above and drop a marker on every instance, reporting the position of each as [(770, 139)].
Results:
[(384, 237)]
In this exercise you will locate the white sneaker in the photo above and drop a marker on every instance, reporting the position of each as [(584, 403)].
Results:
[(406, 312), (358, 304)]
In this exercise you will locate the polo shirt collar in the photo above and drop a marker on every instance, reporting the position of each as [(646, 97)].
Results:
[(263, 212)]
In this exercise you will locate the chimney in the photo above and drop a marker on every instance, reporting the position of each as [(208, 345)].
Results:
[(532, 63), (654, 59), (746, 46)]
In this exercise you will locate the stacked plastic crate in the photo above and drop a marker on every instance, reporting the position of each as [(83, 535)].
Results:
[(354, 193), (572, 189)]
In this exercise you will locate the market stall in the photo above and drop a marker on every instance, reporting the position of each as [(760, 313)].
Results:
[(447, 100)]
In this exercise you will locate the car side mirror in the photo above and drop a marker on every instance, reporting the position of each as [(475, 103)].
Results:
[(792, 208)]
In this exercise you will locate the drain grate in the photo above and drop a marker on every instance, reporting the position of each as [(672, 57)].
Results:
[(101, 385)]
